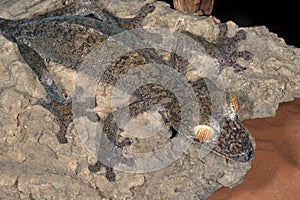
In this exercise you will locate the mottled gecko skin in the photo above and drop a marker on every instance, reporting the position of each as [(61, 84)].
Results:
[(65, 40), (88, 8), (61, 37), (66, 36), (233, 142)]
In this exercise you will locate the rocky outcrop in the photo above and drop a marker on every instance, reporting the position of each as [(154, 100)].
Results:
[(34, 165)]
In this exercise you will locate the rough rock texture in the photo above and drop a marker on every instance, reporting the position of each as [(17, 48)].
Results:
[(33, 164)]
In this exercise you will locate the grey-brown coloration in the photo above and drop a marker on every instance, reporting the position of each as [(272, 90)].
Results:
[(88, 7), (34, 164), (233, 141), (68, 39), (62, 39), (237, 146)]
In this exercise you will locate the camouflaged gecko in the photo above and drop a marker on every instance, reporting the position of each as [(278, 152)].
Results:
[(65, 39), (233, 141), (217, 128), (66, 35)]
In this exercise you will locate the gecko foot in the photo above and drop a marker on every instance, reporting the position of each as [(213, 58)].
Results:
[(126, 142), (110, 174), (63, 113), (226, 49)]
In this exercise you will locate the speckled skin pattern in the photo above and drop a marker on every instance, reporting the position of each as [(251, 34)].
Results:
[(64, 36), (67, 35), (233, 142), (65, 39)]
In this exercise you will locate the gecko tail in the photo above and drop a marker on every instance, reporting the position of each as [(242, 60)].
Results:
[(6, 27)]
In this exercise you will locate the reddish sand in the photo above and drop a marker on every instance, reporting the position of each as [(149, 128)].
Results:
[(275, 172)]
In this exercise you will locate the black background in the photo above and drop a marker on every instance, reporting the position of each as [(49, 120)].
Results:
[(280, 17)]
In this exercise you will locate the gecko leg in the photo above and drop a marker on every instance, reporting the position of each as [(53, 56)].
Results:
[(37, 65), (63, 114), (60, 106), (88, 7), (110, 174), (110, 129)]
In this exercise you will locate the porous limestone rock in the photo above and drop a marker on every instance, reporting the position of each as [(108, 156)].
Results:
[(34, 165)]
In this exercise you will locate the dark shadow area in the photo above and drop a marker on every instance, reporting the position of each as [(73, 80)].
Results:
[(279, 17)]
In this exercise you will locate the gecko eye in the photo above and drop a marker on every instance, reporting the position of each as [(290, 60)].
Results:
[(232, 107), (235, 103), (204, 132)]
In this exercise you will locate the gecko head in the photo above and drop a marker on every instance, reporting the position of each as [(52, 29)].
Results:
[(228, 138), (236, 141), (234, 138), (220, 128), (225, 134)]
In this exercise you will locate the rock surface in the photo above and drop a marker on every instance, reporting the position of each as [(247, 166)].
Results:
[(33, 164)]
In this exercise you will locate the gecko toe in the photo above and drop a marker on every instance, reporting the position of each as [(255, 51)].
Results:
[(95, 167)]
